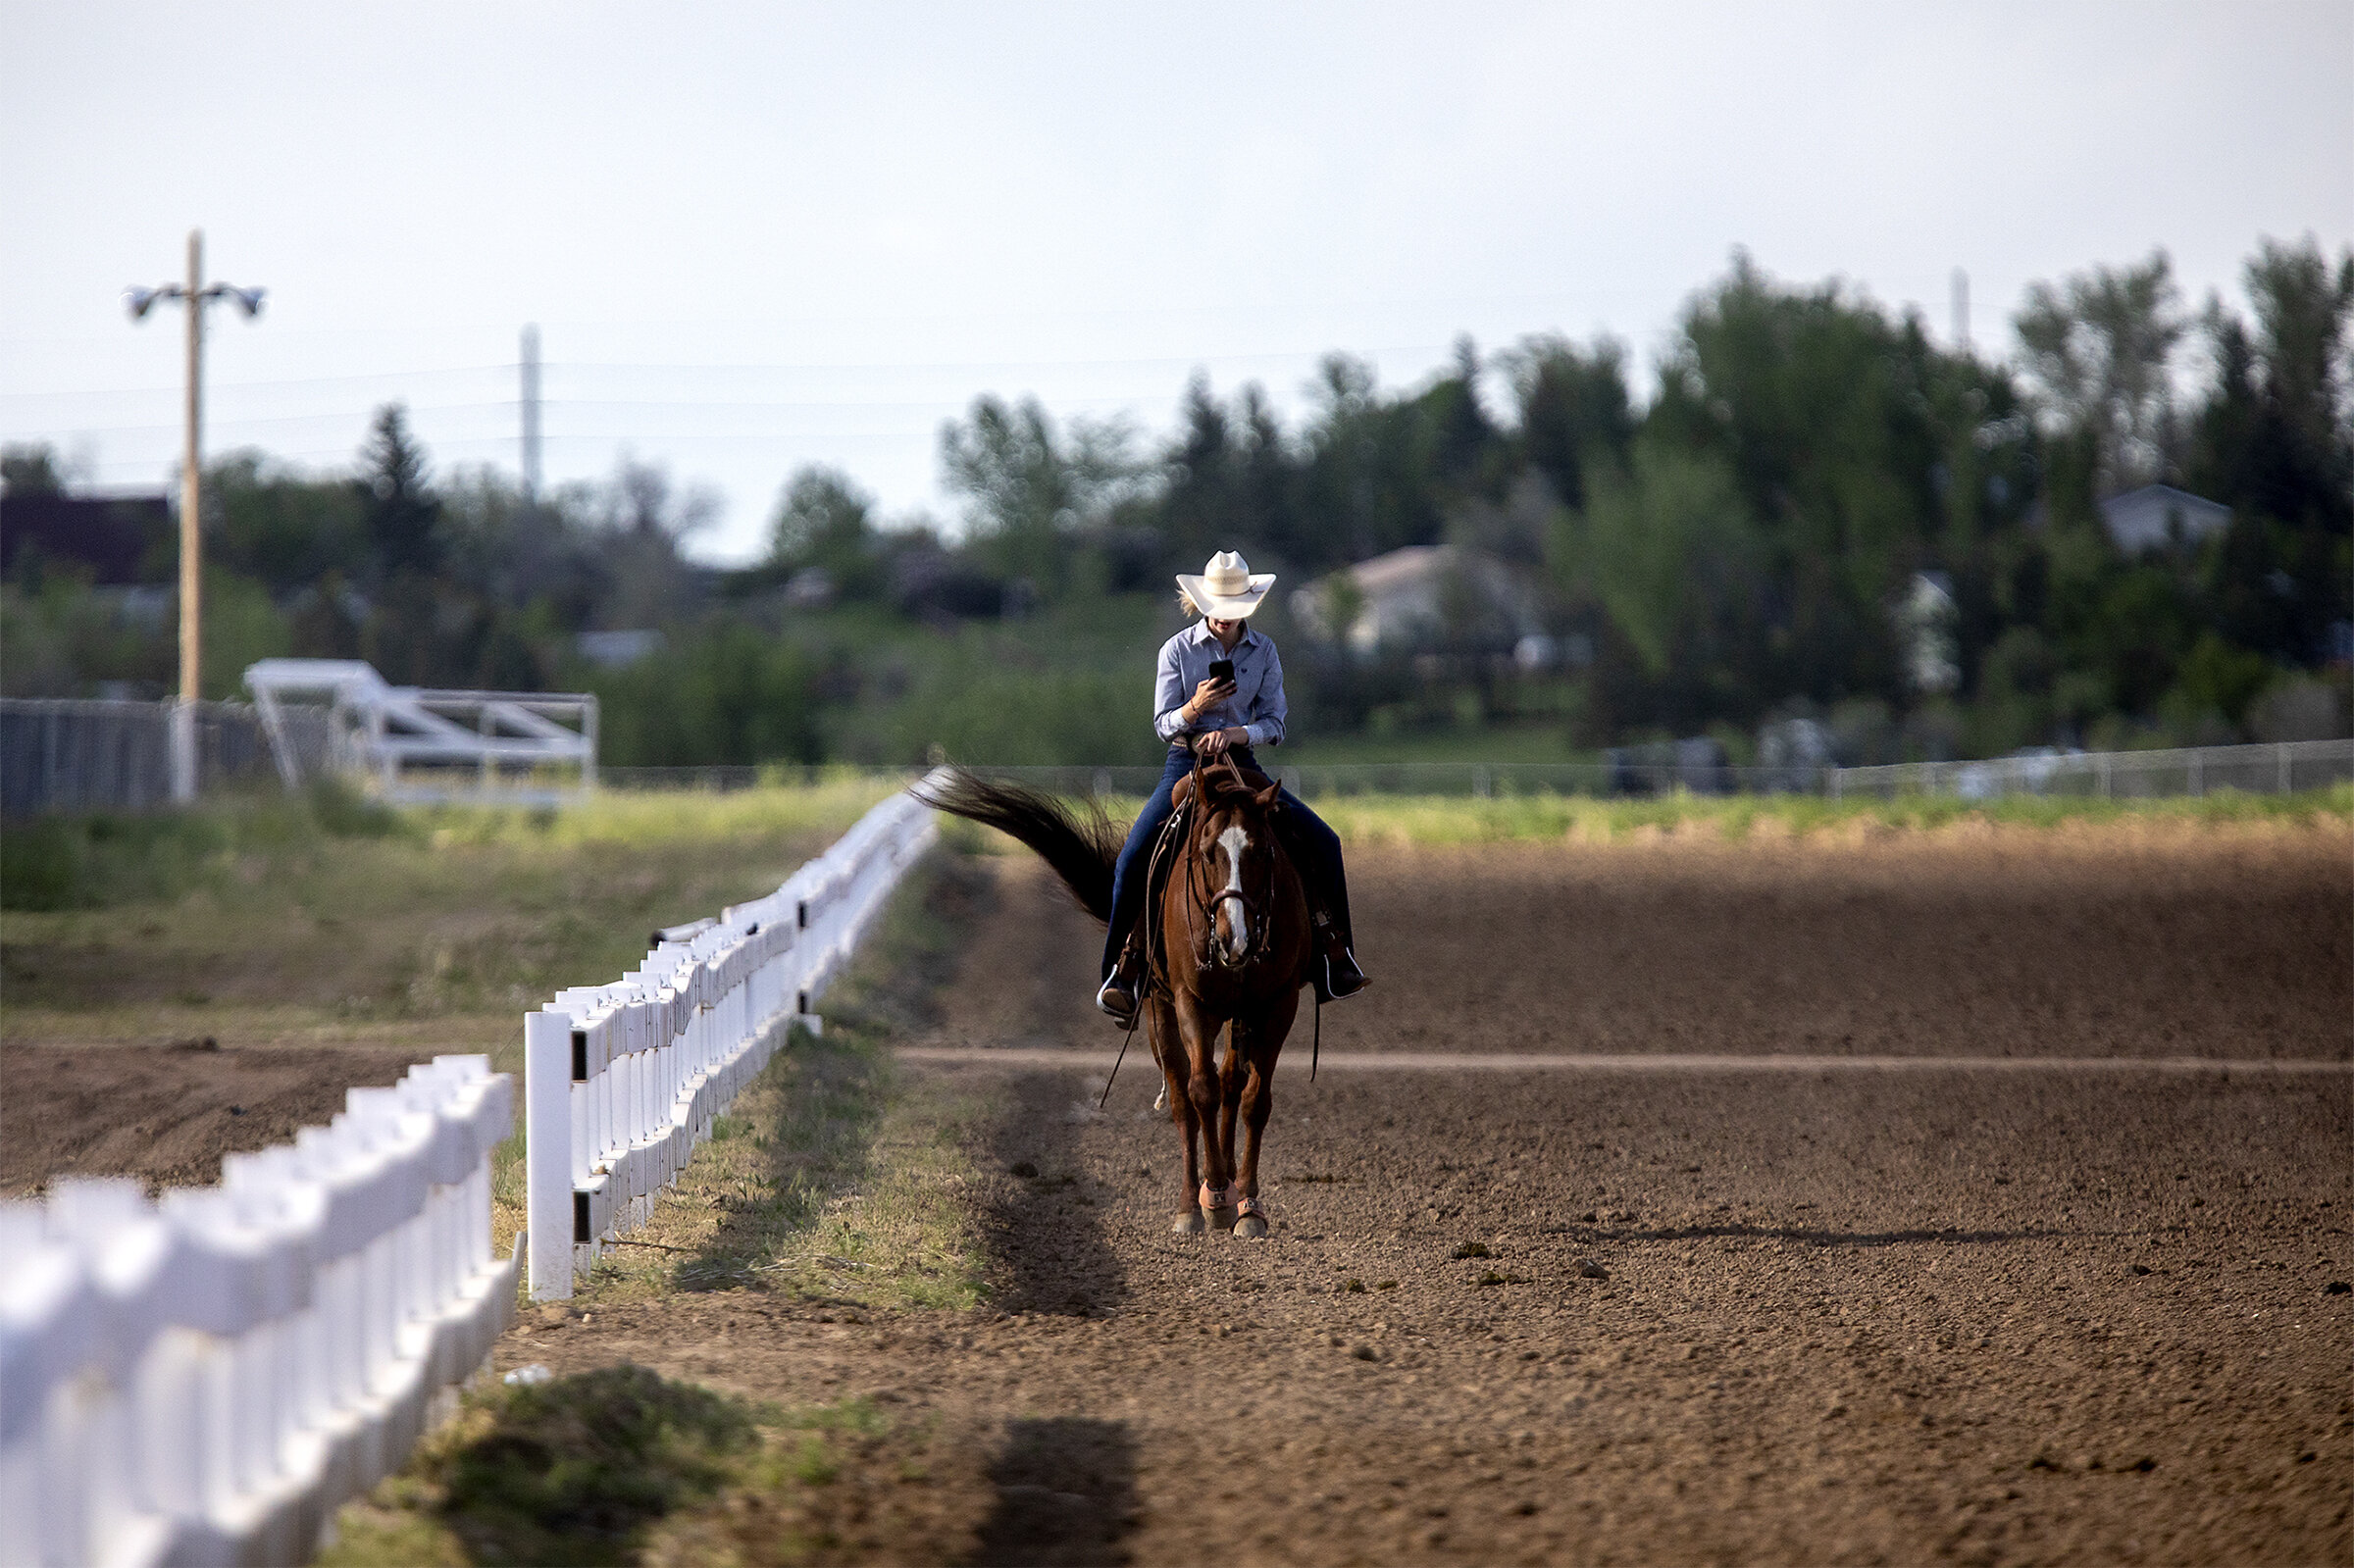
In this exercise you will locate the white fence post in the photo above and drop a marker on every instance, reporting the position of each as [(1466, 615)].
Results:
[(623, 1081), (205, 1379), (548, 1076)]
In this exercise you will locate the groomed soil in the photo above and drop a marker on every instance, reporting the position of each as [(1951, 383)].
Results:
[(167, 1113), (1943, 1314), (2140, 941)]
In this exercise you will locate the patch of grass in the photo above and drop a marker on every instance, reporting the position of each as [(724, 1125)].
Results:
[(642, 818), (330, 911), (621, 1465), (101, 859), (834, 1175), (1540, 740), (1453, 820)]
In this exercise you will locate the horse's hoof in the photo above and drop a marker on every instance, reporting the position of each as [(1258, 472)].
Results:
[(1223, 1219), (1250, 1228), (1190, 1223)]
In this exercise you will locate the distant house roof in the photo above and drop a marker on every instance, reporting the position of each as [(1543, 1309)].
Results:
[(109, 534), (618, 650), (2159, 514), (1398, 571), (1403, 595)]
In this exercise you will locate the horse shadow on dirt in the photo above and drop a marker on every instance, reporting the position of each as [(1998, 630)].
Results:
[(1045, 1230), (1065, 1493)]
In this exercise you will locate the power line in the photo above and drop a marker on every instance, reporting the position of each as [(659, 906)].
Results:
[(279, 419), (293, 380), (751, 368)]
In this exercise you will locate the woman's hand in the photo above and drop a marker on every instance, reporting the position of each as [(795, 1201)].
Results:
[(1209, 695), (1217, 741)]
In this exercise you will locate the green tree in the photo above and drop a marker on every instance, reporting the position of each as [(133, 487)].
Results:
[(2098, 349), (2272, 442), (638, 522), (400, 505), (1229, 481), (1666, 548), (1822, 410), (1029, 488), (1573, 408), (31, 469), (1368, 484), (725, 695), (280, 528), (1462, 441), (824, 520)]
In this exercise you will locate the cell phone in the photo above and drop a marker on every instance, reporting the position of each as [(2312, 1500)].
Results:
[(1221, 669)]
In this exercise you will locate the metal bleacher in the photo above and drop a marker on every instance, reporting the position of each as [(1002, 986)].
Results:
[(417, 744)]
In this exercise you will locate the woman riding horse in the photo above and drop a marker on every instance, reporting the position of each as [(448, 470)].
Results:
[(1224, 714)]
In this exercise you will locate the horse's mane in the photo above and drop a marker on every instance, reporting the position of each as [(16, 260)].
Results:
[(1079, 847)]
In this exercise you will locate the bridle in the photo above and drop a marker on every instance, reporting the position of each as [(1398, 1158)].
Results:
[(1204, 899)]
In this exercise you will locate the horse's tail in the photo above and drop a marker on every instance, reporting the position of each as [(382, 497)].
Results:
[(1079, 847)]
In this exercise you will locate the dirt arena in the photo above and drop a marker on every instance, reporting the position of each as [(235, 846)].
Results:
[(1968, 1313), (1860, 1312)]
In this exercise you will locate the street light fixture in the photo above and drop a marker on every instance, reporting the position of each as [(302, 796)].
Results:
[(195, 293)]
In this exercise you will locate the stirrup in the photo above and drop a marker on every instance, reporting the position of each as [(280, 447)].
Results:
[(1343, 980), (1117, 1005)]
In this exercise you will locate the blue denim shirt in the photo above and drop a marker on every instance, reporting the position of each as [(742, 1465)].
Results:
[(1256, 705)]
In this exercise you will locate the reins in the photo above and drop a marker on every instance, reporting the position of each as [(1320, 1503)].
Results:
[(1261, 928)]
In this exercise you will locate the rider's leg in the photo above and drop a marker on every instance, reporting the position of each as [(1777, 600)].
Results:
[(1321, 848), (1128, 888)]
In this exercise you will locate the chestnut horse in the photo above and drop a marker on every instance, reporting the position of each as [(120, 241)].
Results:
[(1228, 945)]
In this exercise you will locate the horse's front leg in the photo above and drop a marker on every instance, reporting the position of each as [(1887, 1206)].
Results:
[(1198, 1033), (1231, 1075), (1161, 1025), (1257, 1043)]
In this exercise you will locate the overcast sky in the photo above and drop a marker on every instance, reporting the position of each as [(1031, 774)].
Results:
[(763, 236)]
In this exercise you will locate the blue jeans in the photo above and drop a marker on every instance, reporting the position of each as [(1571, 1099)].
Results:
[(1317, 846)]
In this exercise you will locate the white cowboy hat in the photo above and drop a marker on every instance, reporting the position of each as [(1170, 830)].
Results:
[(1227, 589)]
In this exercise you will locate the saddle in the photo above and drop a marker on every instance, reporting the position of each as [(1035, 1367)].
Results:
[(1251, 778)]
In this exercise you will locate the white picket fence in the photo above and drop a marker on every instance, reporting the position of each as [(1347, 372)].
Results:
[(622, 1082), (204, 1380)]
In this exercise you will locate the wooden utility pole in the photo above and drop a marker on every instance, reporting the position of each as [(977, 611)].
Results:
[(195, 293), (191, 540)]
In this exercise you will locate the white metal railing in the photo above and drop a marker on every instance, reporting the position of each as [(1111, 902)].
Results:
[(421, 746), (2274, 769), (204, 1380), (622, 1082)]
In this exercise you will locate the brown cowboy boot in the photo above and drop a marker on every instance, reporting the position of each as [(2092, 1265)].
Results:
[(1117, 997)]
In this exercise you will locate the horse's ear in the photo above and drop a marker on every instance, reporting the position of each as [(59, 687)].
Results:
[(1265, 798)]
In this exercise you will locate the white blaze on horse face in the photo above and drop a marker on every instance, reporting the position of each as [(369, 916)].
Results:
[(1238, 924)]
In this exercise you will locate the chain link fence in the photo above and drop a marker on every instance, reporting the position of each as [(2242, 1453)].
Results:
[(62, 755), (2280, 767), (59, 755)]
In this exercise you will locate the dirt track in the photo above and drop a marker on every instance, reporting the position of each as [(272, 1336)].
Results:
[(167, 1113), (1937, 1315)]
